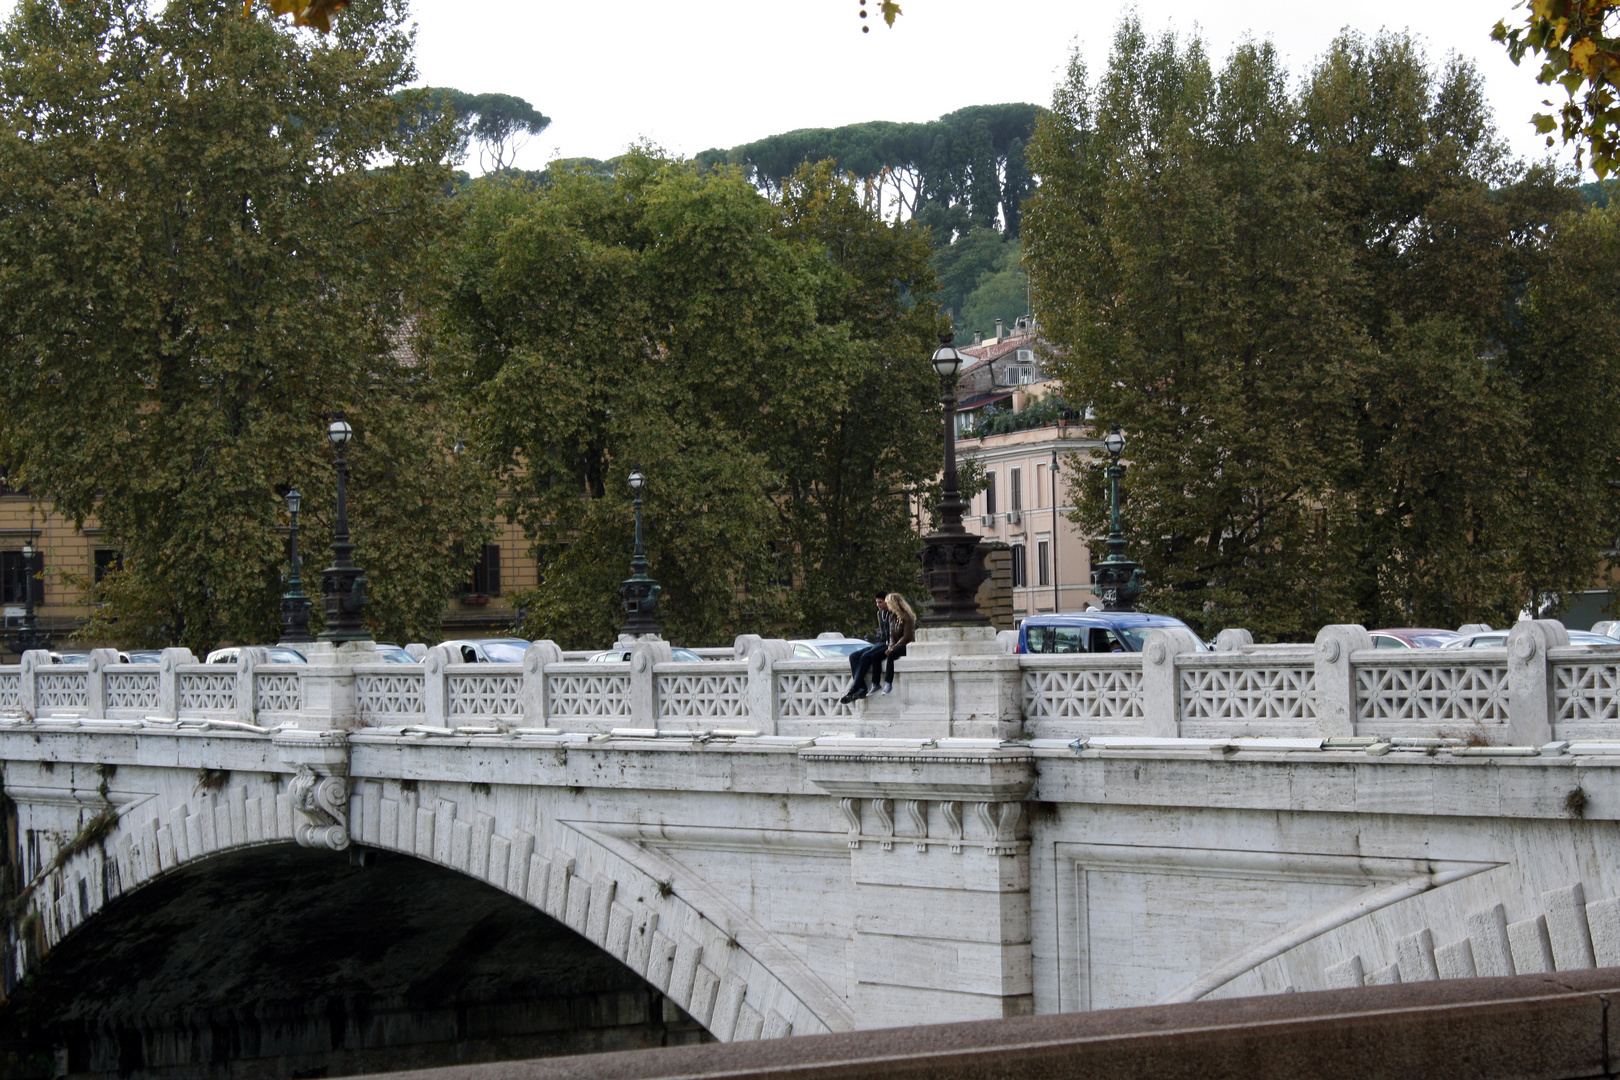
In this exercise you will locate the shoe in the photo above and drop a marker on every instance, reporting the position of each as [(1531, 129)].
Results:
[(855, 694), (887, 687)]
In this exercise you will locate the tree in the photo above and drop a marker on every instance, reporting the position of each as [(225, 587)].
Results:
[(758, 360), (1310, 312), (500, 123), (1580, 41), (203, 258)]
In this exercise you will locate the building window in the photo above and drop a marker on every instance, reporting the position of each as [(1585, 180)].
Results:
[(781, 566), (1019, 575), (107, 561), (1015, 490), (486, 575), (990, 492), (14, 578), (1043, 562), (1040, 485)]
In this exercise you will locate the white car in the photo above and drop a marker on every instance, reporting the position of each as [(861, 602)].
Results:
[(619, 656), (1495, 639), (279, 654), (827, 648)]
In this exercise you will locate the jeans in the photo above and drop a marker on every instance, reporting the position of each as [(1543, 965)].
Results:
[(864, 659), (888, 675)]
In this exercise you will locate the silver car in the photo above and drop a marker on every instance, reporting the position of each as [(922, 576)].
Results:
[(827, 648)]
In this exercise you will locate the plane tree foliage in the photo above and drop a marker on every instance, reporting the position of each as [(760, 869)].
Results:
[(202, 256), (1325, 318), (758, 358)]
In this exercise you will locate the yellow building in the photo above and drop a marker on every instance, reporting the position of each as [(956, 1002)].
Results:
[(65, 556)]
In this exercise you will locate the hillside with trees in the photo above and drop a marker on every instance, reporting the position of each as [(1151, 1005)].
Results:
[(964, 177)]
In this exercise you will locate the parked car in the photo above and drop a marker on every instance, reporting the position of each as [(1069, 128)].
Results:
[(144, 656), (279, 654), (1093, 632), (389, 653), (619, 656), (1498, 638), (489, 650), (827, 648), (1414, 637)]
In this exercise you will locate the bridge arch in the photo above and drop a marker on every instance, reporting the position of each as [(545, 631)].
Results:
[(704, 956)]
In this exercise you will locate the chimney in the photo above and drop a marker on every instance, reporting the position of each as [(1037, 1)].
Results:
[(998, 330), (978, 337)]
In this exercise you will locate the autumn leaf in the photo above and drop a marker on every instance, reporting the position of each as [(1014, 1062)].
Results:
[(890, 10)]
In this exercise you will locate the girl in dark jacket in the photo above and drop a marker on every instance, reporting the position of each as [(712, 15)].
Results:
[(903, 630)]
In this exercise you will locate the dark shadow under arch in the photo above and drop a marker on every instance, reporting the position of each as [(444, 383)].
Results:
[(285, 962)]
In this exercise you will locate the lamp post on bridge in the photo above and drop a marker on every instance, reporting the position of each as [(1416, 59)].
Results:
[(295, 605), (952, 557), (28, 636), (639, 593), (343, 584), (1118, 579)]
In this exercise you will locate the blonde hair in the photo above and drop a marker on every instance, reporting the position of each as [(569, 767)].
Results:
[(898, 605)]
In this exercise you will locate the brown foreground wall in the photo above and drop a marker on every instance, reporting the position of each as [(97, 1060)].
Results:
[(1525, 1027)]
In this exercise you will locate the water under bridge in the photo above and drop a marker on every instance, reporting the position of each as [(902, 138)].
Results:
[(312, 869)]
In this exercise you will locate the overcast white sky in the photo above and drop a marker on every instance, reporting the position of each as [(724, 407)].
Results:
[(690, 76)]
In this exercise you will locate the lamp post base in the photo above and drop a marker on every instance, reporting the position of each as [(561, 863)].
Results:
[(953, 568)]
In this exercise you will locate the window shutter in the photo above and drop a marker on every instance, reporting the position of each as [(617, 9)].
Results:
[(492, 569), (39, 582)]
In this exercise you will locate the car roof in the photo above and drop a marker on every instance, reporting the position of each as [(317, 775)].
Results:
[(824, 640), (1103, 618)]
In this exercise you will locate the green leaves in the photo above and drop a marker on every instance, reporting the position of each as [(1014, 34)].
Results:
[(1580, 43), (1319, 316), (213, 234), (759, 361)]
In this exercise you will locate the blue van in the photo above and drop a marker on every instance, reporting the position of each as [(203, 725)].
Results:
[(1092, 632)]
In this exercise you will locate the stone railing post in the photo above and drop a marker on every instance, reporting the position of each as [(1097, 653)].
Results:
[(169, 681), (417, 650), (1161, 683), (643, 683), (248, 660), (1336, 679), (761, 655), (435, 692), (28, 684), (1233, 639), (95, 685), (1530, 680), (536, 703)]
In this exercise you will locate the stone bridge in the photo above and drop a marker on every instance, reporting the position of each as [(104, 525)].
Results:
[(721, 849)]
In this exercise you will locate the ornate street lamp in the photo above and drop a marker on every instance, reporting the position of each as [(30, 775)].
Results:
[(952, 557), (294, 604), (343, 584), (1118, 580), (639, 593), (29, 637)]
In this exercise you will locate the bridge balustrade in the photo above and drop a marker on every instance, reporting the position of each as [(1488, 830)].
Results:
[(1530, 692)]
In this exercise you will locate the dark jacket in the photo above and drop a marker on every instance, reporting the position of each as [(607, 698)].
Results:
[(886, 622), (902, 631)]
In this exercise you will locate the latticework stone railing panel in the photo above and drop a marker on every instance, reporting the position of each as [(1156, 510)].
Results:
[(11, 690), (1237, 691), (485, 693), (704, 690), (1431, 687), (1586, 691), (584, 691), (396, 692), (134, 691), (207, 690), (278, 691), (809, 690), (1086, 689), (62, 689)]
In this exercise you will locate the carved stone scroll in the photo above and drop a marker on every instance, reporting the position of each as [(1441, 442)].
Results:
[(917, 811), (852, 813), (322, 805), (952, 812)]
